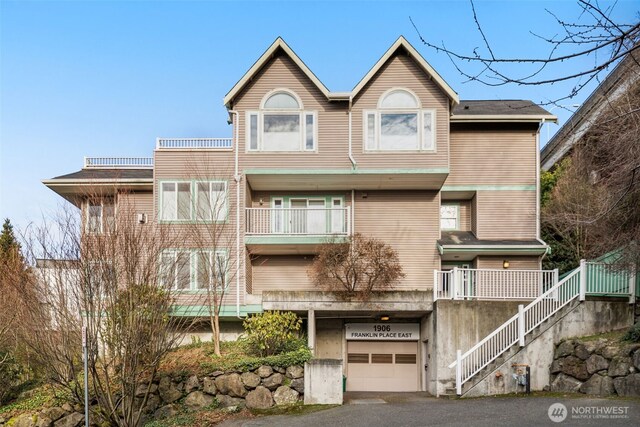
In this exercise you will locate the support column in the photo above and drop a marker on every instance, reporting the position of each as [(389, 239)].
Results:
[(311, 330)]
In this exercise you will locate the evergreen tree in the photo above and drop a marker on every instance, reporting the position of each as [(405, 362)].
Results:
[(8, 242)]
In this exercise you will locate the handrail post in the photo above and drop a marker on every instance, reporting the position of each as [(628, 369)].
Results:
[(583, 279), (521, 325), (454, 279), (459, 372), (632, 285), (435, 285)]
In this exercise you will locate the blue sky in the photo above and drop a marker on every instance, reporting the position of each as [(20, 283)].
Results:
[(105, 78)]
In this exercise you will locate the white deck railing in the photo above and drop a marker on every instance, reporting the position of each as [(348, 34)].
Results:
[(118, 162), (298, 221), (194, 143), (492, 284), (589, 278)]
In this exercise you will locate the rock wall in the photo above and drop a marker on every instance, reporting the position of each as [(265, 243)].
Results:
[(601, 367), (261, 388)]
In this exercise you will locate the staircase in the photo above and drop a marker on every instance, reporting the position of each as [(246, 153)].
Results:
[(591, 278)]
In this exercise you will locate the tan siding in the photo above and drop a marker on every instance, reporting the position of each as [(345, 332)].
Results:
[(506, 214), (515, 262), (492, 157), (135, 203), (281, 273), (332, 142), (402, 72), (474, 215), (248, 272), (409, 222)]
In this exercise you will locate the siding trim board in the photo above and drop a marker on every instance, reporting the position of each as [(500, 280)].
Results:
[(344, 171), (225, 310), (488, 187)]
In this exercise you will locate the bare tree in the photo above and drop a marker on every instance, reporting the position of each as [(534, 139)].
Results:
[(356, 268), (594, 36), (103, 272)]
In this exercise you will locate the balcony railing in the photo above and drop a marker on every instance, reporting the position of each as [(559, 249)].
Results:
[(298, 221), (119, 162), (194, 143), (486, 284)]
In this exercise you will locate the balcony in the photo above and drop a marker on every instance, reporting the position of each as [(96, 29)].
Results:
[(294, 230), (194, 144)]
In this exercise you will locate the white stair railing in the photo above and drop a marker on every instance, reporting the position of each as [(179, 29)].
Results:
[(589, 278)]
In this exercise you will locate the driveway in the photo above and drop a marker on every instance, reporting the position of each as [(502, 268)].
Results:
[(418, 409)]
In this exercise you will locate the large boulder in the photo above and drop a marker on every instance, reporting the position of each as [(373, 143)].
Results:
[(25, 420), (298, 385), (565, 383), (141, 390), (582, 352), (73, 420), (598, 385), (225, 401), (153, 402), (168, 391), (231, 384), (198, 400), (609, 352), (556, 366), (636, 359), (260, 398), (285, 396), (596, 363), (264, 371), (209, 386), (274, 381), (295, 371), (565, 348), (53, 414), (167, 411), (250, 380), (191, 384), (575, 367), (627, 386), (620, 366)]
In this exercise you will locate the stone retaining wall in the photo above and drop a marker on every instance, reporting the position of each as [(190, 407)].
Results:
[(600, 367)]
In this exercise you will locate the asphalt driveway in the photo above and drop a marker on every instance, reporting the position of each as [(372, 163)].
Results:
[(417, 409)]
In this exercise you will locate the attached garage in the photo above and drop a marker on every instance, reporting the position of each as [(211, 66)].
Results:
[(382, 365)]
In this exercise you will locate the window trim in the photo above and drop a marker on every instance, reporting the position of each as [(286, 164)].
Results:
[(193, 202), (377, 113), (193, 267), (457, 208), (103, 229)]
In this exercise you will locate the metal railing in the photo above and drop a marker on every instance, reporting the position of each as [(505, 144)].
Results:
[(194, 143), (119, 162), (492, 284), (298, 221), (589, 278)]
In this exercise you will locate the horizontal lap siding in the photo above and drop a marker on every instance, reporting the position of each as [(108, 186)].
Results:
[(506, 214), (136, 203), (465, 215), (515, 262), (409, 222), (402, 72), (491, 157), (281, 273), (332, 138)]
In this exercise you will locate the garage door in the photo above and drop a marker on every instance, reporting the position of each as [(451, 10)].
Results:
[(382, 366)]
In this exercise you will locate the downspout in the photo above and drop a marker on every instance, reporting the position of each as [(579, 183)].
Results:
[(237, 178), (538, 238), (354, 166)]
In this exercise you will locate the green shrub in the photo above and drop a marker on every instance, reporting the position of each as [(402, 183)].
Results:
[(245, 364), (272, 332), (10, 372), (633, 334)]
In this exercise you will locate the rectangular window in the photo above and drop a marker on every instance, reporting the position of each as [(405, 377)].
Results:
[(358, 358), (406, 359), (449, 217), (253, 131), (381, 358), (281, 132), (193, 269), (207, 201), (398, 132), (100, 216), (371, 131), (428, 142), (309, 132)]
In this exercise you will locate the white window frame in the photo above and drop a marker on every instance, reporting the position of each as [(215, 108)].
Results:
[(103, 227), (220, 212), (193, 255), (457, 217), (260, 116), (422, 145), (223, 212)]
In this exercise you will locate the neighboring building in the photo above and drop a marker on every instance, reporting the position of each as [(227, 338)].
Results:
[(446, 182)]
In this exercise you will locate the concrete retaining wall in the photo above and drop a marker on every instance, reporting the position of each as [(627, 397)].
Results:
[(323, 382)]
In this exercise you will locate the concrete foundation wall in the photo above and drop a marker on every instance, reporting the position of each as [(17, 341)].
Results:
[(588, 318), (323, 382), (459, 325)]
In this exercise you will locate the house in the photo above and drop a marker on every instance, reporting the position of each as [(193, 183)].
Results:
[(450, 184)]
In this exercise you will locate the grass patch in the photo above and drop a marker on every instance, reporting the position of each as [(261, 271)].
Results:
[(40, 397), (610, 336)]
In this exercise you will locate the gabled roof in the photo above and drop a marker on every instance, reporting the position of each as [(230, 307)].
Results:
[(266, 56), (426, 67), (279, 43)]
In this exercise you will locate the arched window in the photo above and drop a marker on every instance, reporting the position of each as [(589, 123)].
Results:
[(281, 124), (399, 124)]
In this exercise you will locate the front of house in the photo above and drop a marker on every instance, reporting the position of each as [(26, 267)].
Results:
[(451, 185)]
